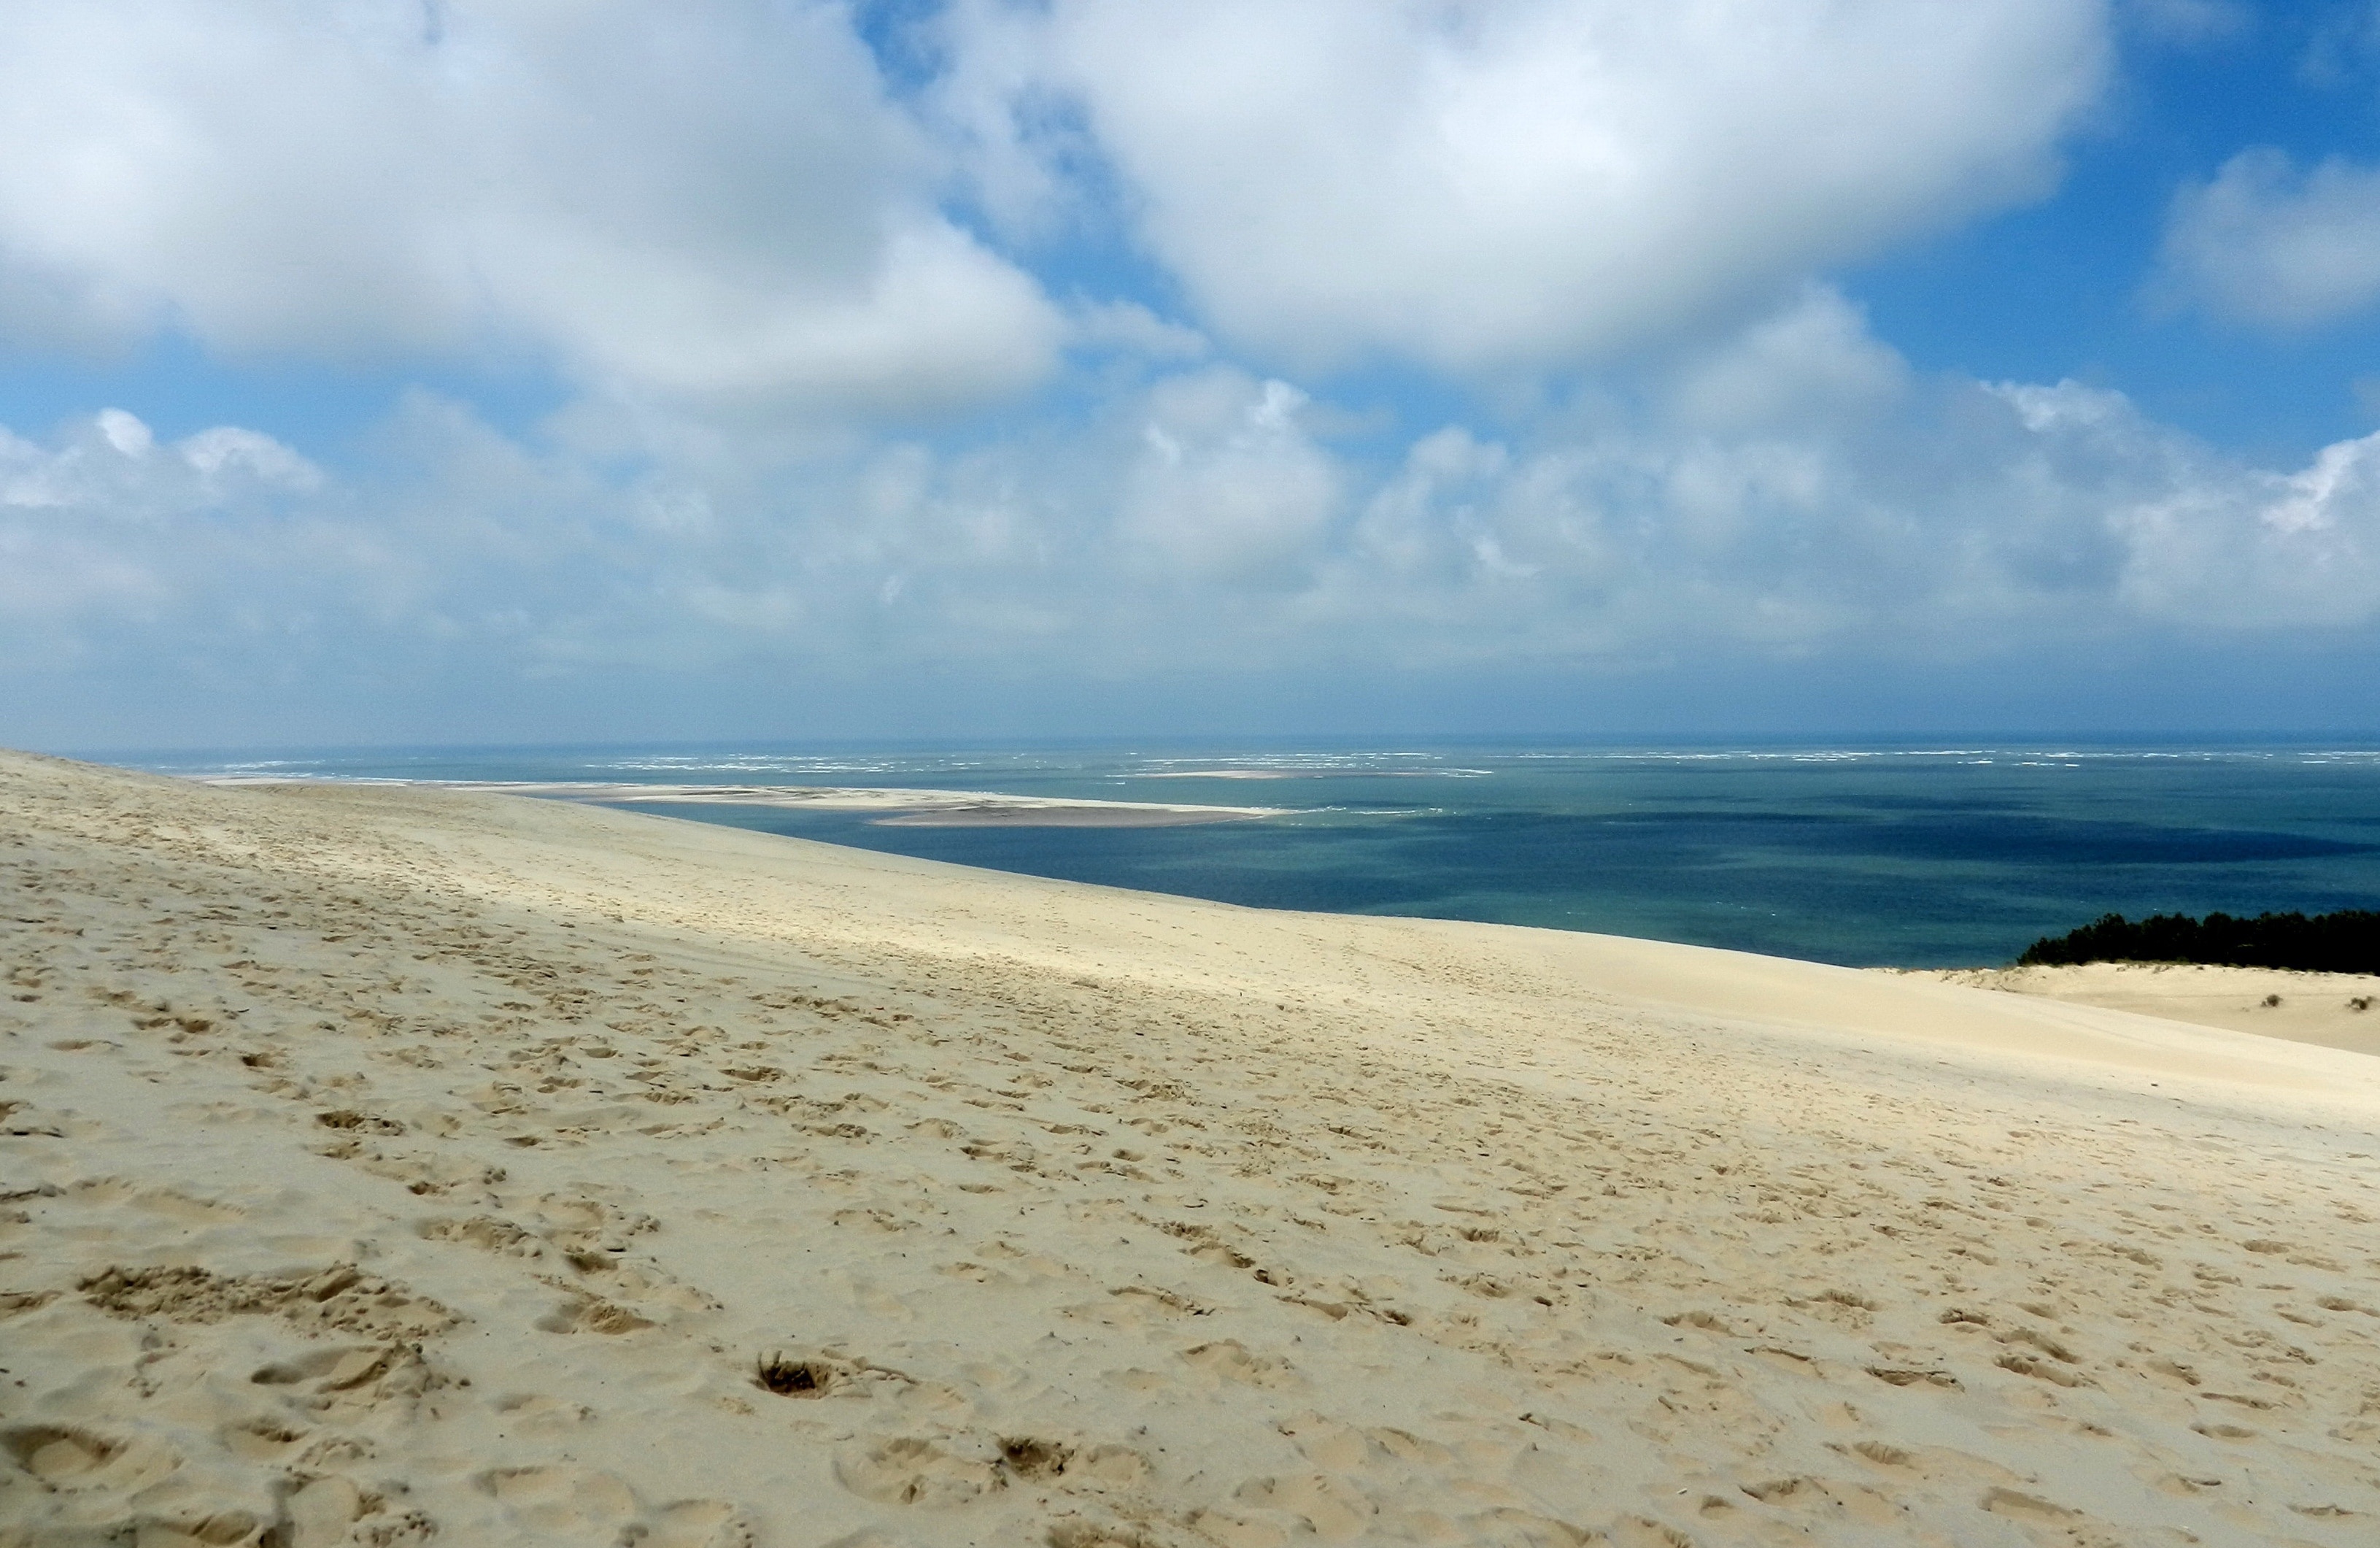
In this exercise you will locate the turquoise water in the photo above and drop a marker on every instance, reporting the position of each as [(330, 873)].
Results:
[(1864, 855)]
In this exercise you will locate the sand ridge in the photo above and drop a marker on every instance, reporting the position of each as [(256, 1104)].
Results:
[(2333, 1010), (385, 1165)]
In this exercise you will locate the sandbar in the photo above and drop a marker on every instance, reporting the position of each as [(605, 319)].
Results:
[(912, 809)]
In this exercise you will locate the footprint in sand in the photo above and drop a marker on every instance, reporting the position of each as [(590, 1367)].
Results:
[(580, 1503), (339, 1298), (260, 1440), (1328, 1507), (323, 1511), (913, 1471), (1092, 1534), (329, 1369), (1228, 1360), (585, 1313), (348, 1382), (690, 1524), (1341, 1448), (557, 1500), (67, 1458), (533, 1413), (485, 1232)]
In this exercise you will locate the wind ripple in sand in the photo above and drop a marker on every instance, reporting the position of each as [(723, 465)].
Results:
[(389, 1164)]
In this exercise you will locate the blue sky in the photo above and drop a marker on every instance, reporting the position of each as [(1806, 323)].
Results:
[(384, 371)]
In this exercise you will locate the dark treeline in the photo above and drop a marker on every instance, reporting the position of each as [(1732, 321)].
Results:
[(2346, 942)]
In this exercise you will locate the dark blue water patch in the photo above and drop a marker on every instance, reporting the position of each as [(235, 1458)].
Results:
[(1259, 865), (1499, 841), (1906, 857), (1835, 890)]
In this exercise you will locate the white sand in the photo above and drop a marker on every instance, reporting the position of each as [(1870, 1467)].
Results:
[(390, 1166), (2336, 1010)]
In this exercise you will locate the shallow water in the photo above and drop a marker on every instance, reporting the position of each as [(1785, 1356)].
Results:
[(1865, 856)]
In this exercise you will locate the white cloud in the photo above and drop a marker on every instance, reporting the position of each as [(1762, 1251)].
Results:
[(2266, 243), (1813, 362), (125, 433), (720, 228), (1911, 519), (1486, 183), (721, 203), (111, 469), (1796, 492), (2210, 542), (710, 198), (1128, 325), (228, 452), (107, 527), (1228, 487)]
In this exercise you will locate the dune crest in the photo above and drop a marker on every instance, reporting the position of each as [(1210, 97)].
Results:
[(2331, 1010), (389, 1166)]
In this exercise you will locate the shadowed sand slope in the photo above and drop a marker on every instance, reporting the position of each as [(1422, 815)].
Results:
[(383, 1166)]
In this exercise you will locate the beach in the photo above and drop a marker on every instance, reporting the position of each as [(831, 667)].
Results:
[(391, 1165)]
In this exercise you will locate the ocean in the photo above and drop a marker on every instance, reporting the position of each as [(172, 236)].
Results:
[(1941, 856)]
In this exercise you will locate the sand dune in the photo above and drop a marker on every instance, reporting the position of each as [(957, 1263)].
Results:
[(388, 1166), (2335, 1010)]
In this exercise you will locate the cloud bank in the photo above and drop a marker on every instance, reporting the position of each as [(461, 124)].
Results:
[(1794, 492), (1081, 344)]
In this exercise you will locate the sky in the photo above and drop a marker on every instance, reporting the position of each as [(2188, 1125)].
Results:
[(381, 372)]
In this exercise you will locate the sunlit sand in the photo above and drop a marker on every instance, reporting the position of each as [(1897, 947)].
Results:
[(2336, 1010), (394, 1165)]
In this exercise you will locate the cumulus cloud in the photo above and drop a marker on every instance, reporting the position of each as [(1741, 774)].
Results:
[(112, 470), (726, 233), (1228, 486), (725, 199), (106, 530), (1482, 185), (2268, 243), (1797, 491), (1812, 362), (1956, 521), (710, 198), (2208, 541)]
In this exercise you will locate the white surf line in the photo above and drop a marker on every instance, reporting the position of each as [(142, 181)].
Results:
[(825, 798)]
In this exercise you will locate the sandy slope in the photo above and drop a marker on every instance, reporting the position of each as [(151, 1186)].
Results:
[(2336, 1010), (388, 1166)]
